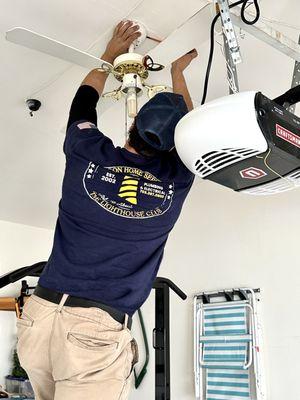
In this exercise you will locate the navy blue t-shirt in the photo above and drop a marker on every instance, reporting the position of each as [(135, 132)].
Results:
[(115, 215)]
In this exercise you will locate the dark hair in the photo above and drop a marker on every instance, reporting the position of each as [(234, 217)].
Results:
[(139, 144)]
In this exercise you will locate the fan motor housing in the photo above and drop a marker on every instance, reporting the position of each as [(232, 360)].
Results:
[(130, 63)]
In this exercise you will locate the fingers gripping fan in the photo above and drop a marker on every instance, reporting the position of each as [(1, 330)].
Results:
[(244, 141)]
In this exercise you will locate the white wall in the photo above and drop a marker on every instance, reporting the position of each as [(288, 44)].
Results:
[(20, 246), (222, 240)]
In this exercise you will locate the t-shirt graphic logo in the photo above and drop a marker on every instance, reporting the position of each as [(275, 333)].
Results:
[(128, 189), (128, 192)]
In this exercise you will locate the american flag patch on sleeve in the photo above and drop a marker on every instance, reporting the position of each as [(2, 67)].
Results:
[(86, 125)]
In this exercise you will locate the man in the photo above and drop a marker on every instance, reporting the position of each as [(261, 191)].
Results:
[(118, 206)]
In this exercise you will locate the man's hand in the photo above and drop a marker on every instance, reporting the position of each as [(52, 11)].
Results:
[(183, 62), (124, 35)]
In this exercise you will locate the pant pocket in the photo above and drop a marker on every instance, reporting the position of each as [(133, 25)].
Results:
[(84, 353), (32, 332), (135, 351), (24, 329), (132, 357), (90, 342), (24, 320)]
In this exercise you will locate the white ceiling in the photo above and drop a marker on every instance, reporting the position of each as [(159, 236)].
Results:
[(32, 162)]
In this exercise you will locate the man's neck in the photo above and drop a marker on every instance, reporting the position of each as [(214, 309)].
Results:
[(129, 148)]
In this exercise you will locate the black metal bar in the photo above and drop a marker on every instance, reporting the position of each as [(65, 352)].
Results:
[(289, 98), (16, 275), (227, 294), (161, 336), (139, 377), (160, 282)]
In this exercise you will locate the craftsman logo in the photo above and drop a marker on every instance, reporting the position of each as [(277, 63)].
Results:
[(252, 173), (287, 136)]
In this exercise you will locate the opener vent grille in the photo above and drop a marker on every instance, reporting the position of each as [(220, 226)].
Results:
[(289, 182), (215, 160)]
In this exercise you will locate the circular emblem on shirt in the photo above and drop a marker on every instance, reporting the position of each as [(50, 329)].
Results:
[(128, 191)]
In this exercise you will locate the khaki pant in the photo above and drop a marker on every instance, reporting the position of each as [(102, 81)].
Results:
[(75, 353)]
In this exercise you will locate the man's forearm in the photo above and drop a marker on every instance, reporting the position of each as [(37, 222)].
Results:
[(180, 86), (96, 78)]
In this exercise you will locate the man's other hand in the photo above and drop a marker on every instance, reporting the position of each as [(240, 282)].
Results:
[(125, 33), (184, 61)]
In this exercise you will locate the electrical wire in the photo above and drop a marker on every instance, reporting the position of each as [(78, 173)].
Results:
[(265, 160), (150, 65), (257, 15), (212, 36)]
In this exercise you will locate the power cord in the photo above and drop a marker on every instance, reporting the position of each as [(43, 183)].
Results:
[(265, 159), (257, 10), (212, 37)]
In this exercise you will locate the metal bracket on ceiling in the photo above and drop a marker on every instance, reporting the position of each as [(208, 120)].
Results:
[(229, 32), (295, 82), (232, 76)]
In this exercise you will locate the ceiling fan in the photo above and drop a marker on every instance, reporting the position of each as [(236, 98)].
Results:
[(131, 69), (264, 162)]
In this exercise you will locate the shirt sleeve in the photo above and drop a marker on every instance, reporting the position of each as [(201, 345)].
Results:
[(84, 105), (82, 136)]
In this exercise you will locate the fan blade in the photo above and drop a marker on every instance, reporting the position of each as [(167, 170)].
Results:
[(44, 44), (186, 37)]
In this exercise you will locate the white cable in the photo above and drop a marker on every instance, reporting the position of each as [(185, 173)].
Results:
[(126, 121)]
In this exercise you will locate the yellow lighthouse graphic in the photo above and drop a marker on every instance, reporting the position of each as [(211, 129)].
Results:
[(128, 189)]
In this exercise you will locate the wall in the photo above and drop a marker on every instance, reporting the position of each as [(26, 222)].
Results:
[(222, 240), (20, 245)]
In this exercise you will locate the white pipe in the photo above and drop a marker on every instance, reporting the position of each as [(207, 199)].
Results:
[(131, 100)]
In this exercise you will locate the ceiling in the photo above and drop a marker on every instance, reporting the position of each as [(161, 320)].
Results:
[(32, 161)]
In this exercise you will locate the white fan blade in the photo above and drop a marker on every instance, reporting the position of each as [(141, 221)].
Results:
[(186, 37), (44, 44)]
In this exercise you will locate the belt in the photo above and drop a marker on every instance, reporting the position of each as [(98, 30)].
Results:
[(72, 301)]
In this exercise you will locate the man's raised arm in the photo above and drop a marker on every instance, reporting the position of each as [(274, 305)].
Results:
[(124, 34), (178, 80), (86, 98)]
